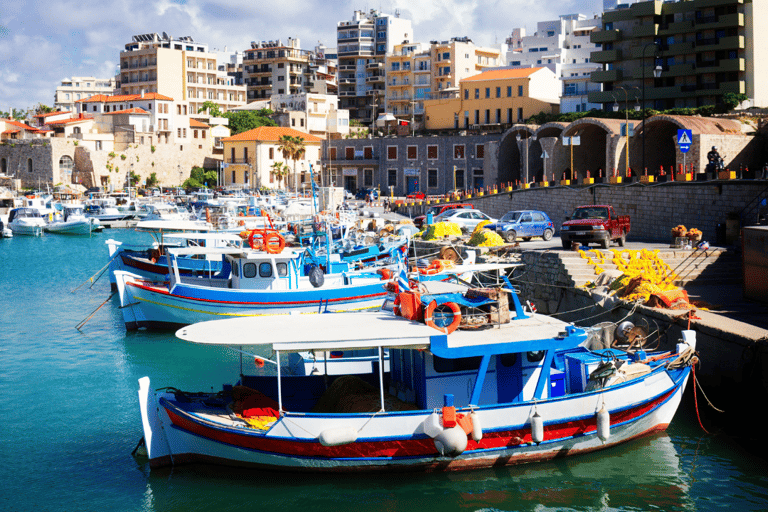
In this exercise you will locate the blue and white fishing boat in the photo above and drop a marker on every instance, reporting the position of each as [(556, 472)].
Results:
[(532, 389)]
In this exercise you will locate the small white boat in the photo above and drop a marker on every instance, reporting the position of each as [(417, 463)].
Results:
[(72, 221), (26, 221), (165, 212)]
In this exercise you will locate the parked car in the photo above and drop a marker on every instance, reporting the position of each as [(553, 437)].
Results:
[(437, 210), (417, 195), (466, 219), (595, 223), (366, 192), (524, 224)]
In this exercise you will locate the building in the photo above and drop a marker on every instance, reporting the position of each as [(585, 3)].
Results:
[(495, 100), (325, 67), (80, 87), (564, 46), (250, 158), (272, 67), (362, 45), (317, 114), (179, 68), (700, 49), (415, 73)]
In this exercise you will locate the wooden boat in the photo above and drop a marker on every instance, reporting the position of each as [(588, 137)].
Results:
[(529, 390)]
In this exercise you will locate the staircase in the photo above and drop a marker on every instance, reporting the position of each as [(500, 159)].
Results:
[(714, 266)]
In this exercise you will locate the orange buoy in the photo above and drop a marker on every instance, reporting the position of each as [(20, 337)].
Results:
[(455, 311), (274, 243)]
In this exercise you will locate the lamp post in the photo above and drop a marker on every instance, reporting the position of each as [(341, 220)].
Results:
[(656, 74), (626, 119)]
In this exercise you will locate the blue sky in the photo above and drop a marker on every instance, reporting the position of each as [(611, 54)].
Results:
[(43, 42)]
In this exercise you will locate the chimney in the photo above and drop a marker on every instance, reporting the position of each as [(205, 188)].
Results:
[(142, 94)]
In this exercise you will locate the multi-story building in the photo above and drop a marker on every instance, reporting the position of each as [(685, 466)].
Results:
[(564, 46), (80, 87), (317, 114), (179, 68), (415, 73), (700, 49), (495, 99), (272, 67), (325, 68), (362, 46)]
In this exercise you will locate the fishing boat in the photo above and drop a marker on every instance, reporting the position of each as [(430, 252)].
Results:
[(26, 221), (531, 389), (72, 221)]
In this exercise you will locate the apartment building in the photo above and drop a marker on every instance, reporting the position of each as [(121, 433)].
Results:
[(274, 67), (317, 114), (80, 87), (564, 46), (362, 45), (683, 53), (179, 68), (495, 100)]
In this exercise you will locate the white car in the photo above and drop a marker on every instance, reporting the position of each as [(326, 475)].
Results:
[(466, 219)]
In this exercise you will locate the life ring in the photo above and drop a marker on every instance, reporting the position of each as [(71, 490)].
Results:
[(385, 274), (396, 306), (455, 310), (256, 239), (274, 243), (434, 268)]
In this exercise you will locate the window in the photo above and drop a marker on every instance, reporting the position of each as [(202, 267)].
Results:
[(349, 153), (194, 134), (498, 92), (282, 269), (272, 153), (234, 175), (29, 165), (332, 154), (232, 157), (412, 152), (458, 179), (487, 92), (432, 152), (392, 177), (520, 114), (367, 177), (391, 152), (519, 90), (432, 178), (368, 153), (487, 116), (477, 94), (265, 269), (466, 94), (458, 151), (249, 270), (498, 115), (480, 151)]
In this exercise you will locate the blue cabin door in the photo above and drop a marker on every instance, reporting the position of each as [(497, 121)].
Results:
[(509, 377)]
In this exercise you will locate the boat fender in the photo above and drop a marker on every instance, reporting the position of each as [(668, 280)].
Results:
[(449, 417), (603, 424), (537, 428), (432, 426), (316, 277), (451, 442), (477, 428), (337, 436)]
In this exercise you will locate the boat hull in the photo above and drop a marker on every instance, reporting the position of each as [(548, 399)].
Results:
[(83, 227), (396, 441), (148, 305), (25, 228)]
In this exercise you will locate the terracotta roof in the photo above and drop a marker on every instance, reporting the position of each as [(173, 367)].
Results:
[(70, 120), (53, 113), (17, 124), (194, 123), (128, 111), (500, 74), (103, 98), (271, 134), (11, 131)]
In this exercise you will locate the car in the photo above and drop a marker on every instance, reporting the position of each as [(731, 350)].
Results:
[(437, 210), (348, 195), (417, 195), (524, 224), (366, 192), (466, 219)]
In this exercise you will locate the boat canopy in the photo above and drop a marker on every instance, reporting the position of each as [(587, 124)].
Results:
[(171, 225)]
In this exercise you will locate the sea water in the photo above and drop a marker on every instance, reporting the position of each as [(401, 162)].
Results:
[(69, 420)]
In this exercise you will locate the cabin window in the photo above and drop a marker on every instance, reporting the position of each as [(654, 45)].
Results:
[(461, 364), (236, 269), (282, 269), (508, 360), (249, 270), (265, 269), (534, 357)]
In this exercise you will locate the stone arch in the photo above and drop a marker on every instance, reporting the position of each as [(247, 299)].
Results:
[(510, 164), (66, 164), (548, 138), (591, 154)]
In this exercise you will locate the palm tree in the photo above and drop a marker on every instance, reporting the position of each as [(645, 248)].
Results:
[(279, 171), (293, 148)]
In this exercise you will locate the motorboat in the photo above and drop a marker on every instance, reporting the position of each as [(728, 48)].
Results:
[(26, 221), (72, 221), (500, 388)]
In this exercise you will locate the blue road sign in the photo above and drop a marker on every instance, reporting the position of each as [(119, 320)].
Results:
[(684, 138)]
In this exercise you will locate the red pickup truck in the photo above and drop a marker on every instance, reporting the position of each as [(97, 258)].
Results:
[(595, 223)]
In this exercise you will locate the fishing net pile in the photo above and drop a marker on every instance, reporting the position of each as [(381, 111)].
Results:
[(440, 230)]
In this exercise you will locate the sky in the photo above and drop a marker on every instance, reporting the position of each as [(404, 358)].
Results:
[(45, 41)]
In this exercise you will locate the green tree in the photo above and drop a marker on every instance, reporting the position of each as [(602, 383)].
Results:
[(211, 107), (18, 115), (43, 109), (279, 171), (134, 178), (731, 100), (293, 148), (152, 181), (245, 120), (200, 177)]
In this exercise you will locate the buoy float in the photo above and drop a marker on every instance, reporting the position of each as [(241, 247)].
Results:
[(477, 428), (337, 436), (432, 426), (451, 442), (537, 428), (455, 311), (603, 424)]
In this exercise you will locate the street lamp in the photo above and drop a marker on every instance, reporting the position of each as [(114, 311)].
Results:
[(656, 74), (626, 119)]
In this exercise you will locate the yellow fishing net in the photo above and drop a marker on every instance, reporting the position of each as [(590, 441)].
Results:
[(440, 230), (485, 238)]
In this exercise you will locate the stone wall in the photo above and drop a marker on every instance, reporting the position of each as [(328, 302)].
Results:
[(654, 210), (543, 280)]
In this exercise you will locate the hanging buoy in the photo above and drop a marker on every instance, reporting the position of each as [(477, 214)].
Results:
[(451, 442), (603, 424), (537, 428), (477, 429), (337, 436), (432, 426)]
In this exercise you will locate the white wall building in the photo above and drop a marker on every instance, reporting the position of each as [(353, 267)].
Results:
[(317, 114), (78, 88)]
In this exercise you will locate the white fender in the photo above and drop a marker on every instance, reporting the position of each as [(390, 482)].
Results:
[(477, 428), (603, 424), (337, 436), (432, 426), (537, 428), (451, 442)]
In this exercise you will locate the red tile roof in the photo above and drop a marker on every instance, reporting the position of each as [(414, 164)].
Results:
[(194, 123), (271, 134), (11, 131), (70, 120), (17, 124), (103, 98), (500, 74), (128, 111), (53, 113)]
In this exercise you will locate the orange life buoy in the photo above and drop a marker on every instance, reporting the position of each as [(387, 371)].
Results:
[(455, 310), (256, 239), (274, 243), (385, 274)]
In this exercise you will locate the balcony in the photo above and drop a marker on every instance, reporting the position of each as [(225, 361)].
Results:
[(399, 70), (646, 30), (611, 75), (738, 87), (374, 79), (605, 56), (703, 4), (373, 65), (605, 36), (646, 9), (676, 28), (679, 48)]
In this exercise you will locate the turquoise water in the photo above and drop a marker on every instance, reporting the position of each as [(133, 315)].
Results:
[(69, 421)]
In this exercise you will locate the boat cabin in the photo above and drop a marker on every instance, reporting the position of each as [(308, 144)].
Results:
[(24, 213)]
